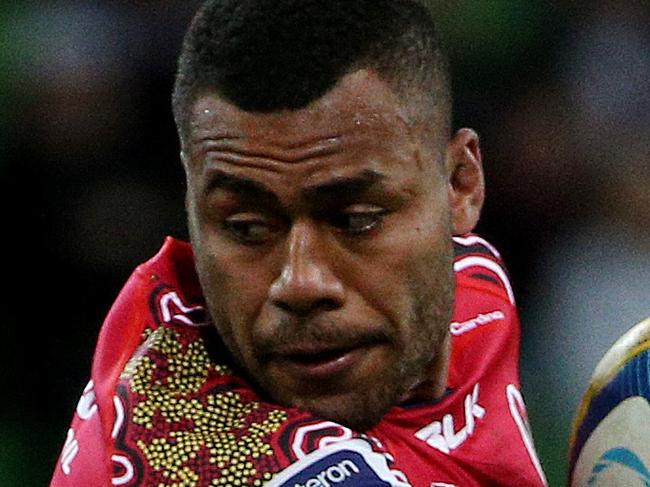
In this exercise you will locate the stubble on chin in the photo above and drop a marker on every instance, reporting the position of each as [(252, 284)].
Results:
[(359, 410)]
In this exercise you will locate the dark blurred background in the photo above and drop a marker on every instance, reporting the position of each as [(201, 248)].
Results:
[(558, 91)]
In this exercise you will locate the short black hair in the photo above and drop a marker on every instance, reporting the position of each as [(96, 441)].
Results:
[(271, 55)]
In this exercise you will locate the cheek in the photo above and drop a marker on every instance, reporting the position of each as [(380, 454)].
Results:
[(236, 292), (416, 257)]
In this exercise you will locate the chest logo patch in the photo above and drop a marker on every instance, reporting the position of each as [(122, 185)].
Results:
[(348, 463)]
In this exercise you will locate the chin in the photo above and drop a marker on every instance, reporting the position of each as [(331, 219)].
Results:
[(359, 410), (357, 419)]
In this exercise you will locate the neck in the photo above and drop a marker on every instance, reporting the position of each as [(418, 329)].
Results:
[(434, 382)]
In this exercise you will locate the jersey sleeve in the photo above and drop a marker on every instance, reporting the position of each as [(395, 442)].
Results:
[(154, 294), (86, 457)]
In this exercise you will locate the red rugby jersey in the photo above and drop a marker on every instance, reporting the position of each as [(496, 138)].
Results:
[(164, 407)]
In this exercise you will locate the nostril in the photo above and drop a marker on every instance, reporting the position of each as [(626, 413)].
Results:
[(283, 306), (307, 307), (327, 305)]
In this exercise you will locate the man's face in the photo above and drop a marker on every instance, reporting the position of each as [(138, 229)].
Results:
[(323, 245)]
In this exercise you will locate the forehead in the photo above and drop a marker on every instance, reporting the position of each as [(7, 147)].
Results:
[(360, 125), (359, 103)]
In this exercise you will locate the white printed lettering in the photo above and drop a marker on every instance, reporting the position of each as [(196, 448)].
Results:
[(332, 475), (458, 328), (442, 435)]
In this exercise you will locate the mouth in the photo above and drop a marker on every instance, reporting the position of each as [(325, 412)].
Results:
[(316, 358), (323, 364)]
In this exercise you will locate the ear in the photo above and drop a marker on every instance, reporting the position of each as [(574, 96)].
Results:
[(466, 181)]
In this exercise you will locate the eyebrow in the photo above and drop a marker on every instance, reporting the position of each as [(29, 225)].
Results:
[(343, 186), (238, 185), (337, 187)]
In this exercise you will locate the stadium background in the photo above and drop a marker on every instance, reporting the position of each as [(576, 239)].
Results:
[(558, 91)]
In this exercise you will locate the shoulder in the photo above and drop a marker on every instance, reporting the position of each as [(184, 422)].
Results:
[(485, 321), (478, 265)]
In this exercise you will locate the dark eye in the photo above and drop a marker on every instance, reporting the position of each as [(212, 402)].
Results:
[(358, 219), (249, 228)]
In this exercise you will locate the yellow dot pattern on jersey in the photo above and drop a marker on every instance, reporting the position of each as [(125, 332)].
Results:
[(180, 427)]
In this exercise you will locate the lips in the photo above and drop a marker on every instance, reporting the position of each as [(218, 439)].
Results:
[(317, 357), (323, 363)]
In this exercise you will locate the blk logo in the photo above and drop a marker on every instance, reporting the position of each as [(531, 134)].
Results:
[(443, 435)]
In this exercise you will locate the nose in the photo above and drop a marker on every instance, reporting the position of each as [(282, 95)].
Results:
[(306, 282)]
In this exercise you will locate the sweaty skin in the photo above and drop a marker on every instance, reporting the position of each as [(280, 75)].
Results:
[(323, 245)]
